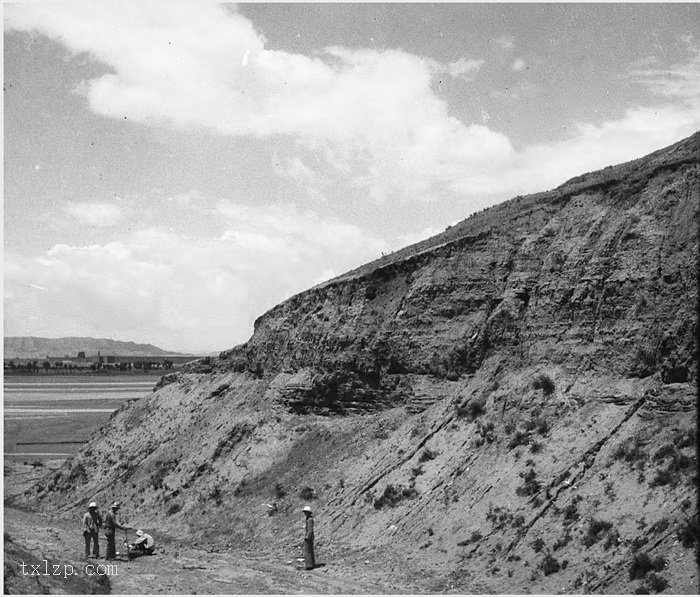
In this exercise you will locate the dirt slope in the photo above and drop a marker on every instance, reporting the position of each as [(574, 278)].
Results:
[(509, 407)]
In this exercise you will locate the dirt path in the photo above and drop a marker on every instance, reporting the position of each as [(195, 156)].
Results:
[(177, 568), (181, 570)]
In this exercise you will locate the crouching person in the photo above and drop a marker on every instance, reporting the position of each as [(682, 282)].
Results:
[(143, 546)]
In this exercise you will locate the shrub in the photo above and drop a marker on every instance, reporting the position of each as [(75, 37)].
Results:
[(684, 439), (535, 447), (381, 433), (642, 563), (427, 454), (549, 565), (473, 409), (543, 382), (646, 360), (538, 544), (174, 508), (631, 451), (689, 531), (418, 430), (659, 526), (393, 495), (612, 539), (656, 582), (663, 452), (520, 438), (162, 469), (571, 510), (595, 530), (530, 484), (216, 495), (487, 432), (562, 542), (662, 477), (279, 491), (77, 475), (307, 493), (240, 488), (475, 536)]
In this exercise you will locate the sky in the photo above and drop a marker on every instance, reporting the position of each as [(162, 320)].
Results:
[(173, 170)]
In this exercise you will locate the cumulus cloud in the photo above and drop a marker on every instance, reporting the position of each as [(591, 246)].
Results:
[(94, 214), (156, 284), (203, 66)]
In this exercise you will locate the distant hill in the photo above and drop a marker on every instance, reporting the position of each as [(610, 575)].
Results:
[(28, 347)]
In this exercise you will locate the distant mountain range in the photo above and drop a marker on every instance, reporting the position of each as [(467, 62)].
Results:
[(29, 347)]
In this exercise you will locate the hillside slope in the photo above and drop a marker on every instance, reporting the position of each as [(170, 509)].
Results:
[(508, 407)]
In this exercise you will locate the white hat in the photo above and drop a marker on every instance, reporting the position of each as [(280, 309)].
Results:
[(139, 532), (92, 505), (116, 505), (306, 509)]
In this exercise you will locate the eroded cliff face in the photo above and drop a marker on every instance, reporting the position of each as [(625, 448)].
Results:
[(509, 406), (600, 273)]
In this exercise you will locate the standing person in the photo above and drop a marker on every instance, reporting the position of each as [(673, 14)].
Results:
[(111, 525), (309, 559), (92, 521)]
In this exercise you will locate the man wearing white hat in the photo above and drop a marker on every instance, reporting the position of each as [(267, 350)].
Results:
[(111, 525), (309, 559), (92, 521), (145, 544)]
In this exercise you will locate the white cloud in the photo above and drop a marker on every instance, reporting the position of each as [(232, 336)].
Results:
[(678, 81), (465, 68), (176, 291), (370, 118), (504, 42), (518, 65), (94, 214), (539, 167), (201, 65)]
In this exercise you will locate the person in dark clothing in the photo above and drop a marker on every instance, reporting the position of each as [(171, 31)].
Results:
[(309, 559), (92, 521), (112, 523)]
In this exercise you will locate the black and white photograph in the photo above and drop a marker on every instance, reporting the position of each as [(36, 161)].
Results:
[(350, 298)]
